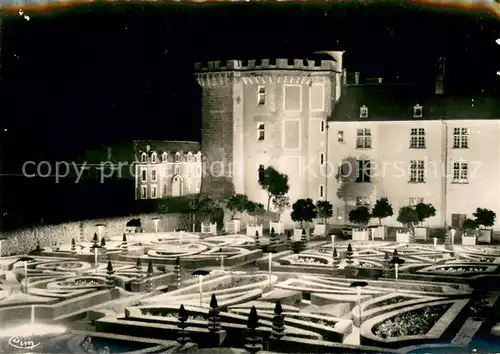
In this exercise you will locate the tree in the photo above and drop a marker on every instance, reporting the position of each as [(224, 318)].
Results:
[(182, 325), (424, 211), (103, 243), (281, 203), (273, 182), (213, 316), (408, 217), (138, 263), (273, 238), (257, 238), (254, 210), (150, 270), (73, 245), (469, 226), (253, 340), (237, 204), (360, 216), (382, 209), (95, 240), (278, 329), (303, 210), (349, 254), (109, 268), (297, 247), (324, 209), (484, 217)]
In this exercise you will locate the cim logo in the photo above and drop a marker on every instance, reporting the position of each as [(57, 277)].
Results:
[(23, 343)]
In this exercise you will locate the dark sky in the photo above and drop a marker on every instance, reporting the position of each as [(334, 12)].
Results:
[(103, 73)]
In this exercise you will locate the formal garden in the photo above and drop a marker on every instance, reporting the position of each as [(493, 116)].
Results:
[(157, 284)]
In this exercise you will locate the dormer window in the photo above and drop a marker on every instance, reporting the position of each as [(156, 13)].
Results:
[(154, 157), (177, 157), (164, 157), (363, 112), (190, 157), (418, 111), (144, 158)]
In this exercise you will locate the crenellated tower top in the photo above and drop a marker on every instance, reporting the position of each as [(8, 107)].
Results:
[(221, 72)]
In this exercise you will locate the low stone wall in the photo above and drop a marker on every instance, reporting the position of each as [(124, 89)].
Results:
[(54, 311), (26, 240)]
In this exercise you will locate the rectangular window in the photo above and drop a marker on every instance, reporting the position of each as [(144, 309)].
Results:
[(417, 171), (321, 191), (417, 111), (198, 186), (317, 98), (322, 126), (321, 159), (261, 95), (460, 172), (177, 169), (417, 138), (363, 112), (363, 201), (154, 176), (363, 139), (165, 189), (153, 192), (341, 136), (363, 171), (292, 98), (144, 192), (460, 138), (261, 131), (144, 176), (415, 200)]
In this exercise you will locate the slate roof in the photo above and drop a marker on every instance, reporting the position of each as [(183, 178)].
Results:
[(168, 146), (395, 102)]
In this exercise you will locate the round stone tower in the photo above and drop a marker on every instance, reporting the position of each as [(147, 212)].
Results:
[(268, 112)]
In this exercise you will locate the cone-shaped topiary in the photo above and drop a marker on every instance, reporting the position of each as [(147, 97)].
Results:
[(95, 239), (213, 315), (253, 340), (150, 270), (289, 236), (109, 268), (124, 238), (257, 239), (349, 254), (103, 243), (73, 245), (278, 329), (138, 263), (124, 244), (303, 237), (273, 238), (395, 254), (335, 258), (182, 325)]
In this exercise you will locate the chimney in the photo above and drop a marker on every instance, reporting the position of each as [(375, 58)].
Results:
[(440, 70), (356, 78), (108, 153), (344, 76)]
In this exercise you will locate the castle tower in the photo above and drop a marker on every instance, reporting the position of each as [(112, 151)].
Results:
[(268, 112)]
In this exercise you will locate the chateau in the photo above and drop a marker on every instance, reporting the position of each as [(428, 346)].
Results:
[(348, 139)]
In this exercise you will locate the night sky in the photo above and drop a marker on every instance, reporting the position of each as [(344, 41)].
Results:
[(98, 74)]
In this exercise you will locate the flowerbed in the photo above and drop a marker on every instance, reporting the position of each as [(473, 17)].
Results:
[(411, 323), (460, 269), (367, 265), (387, 302), (317, 321), (170, 314), (82, 282), (236, 282), (311, 260)]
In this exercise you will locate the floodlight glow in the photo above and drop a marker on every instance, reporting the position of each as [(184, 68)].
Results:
[(34, 330)]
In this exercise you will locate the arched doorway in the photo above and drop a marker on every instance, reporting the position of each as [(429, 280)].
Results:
[(176, 186)]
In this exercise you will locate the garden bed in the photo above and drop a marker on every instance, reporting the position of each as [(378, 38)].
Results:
[(391, 301), (412, 323)]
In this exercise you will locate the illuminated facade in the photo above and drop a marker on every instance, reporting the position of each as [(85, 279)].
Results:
[(167, 169), (308, 119)]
